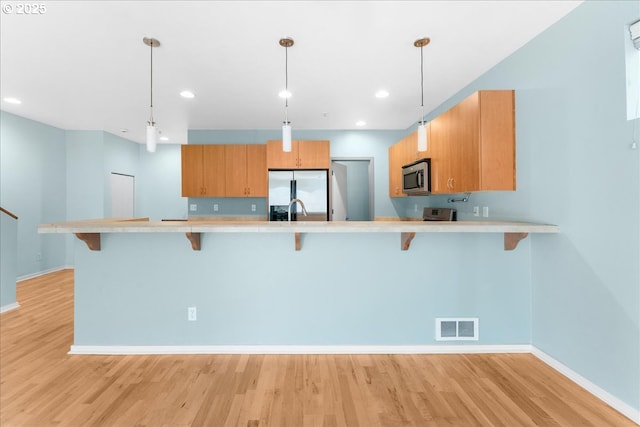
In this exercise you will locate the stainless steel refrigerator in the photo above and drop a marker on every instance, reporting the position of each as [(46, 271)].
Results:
[(310, 186)]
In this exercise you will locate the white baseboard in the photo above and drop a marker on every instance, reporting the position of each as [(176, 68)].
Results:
[(617, 404), (42, 273), (299, 349), (9, 307)]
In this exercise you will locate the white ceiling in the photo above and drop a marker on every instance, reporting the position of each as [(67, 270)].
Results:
[(83, 65)]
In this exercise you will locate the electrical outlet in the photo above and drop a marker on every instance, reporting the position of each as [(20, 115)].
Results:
[(193, 207), (485, 211), (476, 211), (192, 314), (215, 207), (253, 207), (415, 207)]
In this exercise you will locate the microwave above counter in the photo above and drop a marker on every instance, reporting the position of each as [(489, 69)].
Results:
[(416, 178)]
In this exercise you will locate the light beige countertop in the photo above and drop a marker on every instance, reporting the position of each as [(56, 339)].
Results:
[(90, 231), (143, 225)]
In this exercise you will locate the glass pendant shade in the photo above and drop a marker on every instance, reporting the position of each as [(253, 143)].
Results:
[(422, 136), (286, 137), (152, 138)]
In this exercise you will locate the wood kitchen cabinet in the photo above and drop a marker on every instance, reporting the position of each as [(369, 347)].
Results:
[(471, 146), (396, 161), (303, 155), (410, 147), (203, 171), (455, 162), (403, 153), (246, 170), (474, 144)]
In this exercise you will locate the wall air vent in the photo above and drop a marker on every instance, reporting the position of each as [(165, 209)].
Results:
[(457, 329)]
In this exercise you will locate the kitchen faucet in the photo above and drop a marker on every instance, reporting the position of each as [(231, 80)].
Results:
[(304, 211)]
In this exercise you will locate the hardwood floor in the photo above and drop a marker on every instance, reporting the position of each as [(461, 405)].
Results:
[(41, 385)]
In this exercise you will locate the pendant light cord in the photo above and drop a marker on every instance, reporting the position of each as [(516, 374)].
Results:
[(286, 84), (422, 84), (151, 104)]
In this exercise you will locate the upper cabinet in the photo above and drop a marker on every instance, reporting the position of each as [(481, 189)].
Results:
[(455, 160), (474, 144), (471, 146), (203, 171), (245, 170), (403, 153), (230, 170), (497, 140), (396, 161), (303, 155)]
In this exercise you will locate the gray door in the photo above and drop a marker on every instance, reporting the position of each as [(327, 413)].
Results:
[(338, 192)]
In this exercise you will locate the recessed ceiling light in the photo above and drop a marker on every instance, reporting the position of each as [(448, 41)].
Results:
[(284, 94), (361, 123), (382, 93), (12, 100), (187, 94), (164, 138)]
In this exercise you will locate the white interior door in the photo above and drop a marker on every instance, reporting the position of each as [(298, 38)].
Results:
[(338, 192), (122, 195)]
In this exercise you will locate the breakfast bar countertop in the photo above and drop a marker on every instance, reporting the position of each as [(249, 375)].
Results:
[(89, 230), (143, 225)]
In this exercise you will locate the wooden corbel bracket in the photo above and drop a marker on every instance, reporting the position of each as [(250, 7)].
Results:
[(194, 238), (91, 239), (405, 240), (511, 240)]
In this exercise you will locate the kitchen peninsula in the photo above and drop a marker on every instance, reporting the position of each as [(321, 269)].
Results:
[(353, 285), (90, 231)]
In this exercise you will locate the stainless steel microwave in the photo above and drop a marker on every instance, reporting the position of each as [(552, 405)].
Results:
[(416, 178)]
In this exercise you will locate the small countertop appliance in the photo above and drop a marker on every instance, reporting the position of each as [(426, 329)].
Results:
[(439, 214)]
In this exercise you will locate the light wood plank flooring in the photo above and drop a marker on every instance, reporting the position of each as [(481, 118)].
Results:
[(41, 385)]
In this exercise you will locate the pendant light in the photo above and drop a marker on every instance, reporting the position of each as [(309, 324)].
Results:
[(152, 132), (286, 42), (422, 124)]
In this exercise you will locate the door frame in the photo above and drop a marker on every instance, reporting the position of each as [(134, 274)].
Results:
[(372, 204)]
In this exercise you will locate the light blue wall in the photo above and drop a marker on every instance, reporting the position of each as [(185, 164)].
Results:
[(52, 175), (120, 156), (229, 206), (576, 169), (85, 175), (8, 259), (586, 282), (158, 187), (33, 186), (91, 158), (340, 289)]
